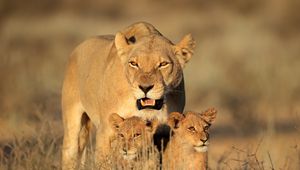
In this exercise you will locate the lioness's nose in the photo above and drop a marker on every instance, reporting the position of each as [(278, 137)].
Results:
[(145, 89)]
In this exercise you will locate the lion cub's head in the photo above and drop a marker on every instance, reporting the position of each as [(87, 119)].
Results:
[(133, 134), (153, 64), (192, 128)]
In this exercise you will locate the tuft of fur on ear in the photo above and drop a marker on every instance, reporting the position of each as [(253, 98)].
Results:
[(115, 120), (209, 115), (174, 119), (152, 125), (185, 49)]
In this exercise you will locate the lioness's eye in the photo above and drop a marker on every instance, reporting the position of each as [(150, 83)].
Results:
[(133, 64), (192, 129), (136, 135), (121, 135), (163, 64)]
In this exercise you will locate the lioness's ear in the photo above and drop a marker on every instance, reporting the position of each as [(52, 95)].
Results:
[(152, 125), (130, 35), (140, 29), (209, 115), (122, 44), (185, 49), (115, 120), (174, 120)]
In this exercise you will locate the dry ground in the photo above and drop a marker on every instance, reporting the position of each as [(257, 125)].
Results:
[(246, 64)]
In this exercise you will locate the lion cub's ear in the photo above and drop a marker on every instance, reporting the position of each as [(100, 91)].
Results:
[(174, 120), (151, 125), (115, 120), (185, 49), (209, 115)]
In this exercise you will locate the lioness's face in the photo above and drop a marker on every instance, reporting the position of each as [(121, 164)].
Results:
[(153, 67), (133, 135), (152, 71), (193, 128)]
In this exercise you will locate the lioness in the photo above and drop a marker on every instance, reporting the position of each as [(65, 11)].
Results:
[(137, 71), (132, 143), (187, 148)]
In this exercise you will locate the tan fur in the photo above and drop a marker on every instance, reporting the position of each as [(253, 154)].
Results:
[(186, 149), (100, 79), (132, 142)]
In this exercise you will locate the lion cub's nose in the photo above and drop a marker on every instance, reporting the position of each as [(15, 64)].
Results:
[(145, 89), (124, 150), (204, 140)]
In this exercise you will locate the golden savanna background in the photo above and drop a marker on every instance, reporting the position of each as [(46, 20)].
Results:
[(246, 64)]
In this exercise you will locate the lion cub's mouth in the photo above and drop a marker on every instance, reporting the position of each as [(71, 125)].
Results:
[(129, 156), (146, 103), (203, 148)]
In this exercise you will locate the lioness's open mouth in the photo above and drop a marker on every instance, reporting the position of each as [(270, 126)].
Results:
[(146, 103)]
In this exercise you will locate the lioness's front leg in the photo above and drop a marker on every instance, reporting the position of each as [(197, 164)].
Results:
[(72, 125), (102, 149)]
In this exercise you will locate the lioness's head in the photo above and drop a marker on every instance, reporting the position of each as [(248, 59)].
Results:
[(193, 127), (153, 64), (133, 134)]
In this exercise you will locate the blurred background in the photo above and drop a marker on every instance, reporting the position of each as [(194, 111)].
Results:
[(246, 64)]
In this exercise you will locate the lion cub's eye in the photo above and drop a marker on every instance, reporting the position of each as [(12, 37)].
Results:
[(206, 127), (192, 129), (163, 64), (121, 135), (133, 64), (136, 135)]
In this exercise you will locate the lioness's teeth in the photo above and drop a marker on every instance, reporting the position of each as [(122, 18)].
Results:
[(148, 102), (142, 103)]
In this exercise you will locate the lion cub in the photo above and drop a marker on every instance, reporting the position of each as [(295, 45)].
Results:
[(132, 144), (187, 148)]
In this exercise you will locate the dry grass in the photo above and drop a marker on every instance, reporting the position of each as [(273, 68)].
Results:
[(246, 65), (42, 150), (276, 152)]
